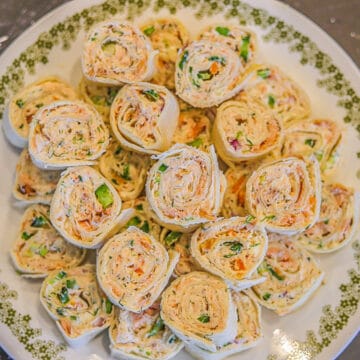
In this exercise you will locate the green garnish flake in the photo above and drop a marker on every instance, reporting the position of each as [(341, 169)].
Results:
[(249, 219), (21, 126), (43, 251), (20, 103), (39, 222), (73, 317), (244, 51), (264, 73), (224, 31), (108, 306), (268, 217), (112, 92), (266, 296), (239, 134), (271, 101), (98, 100), (145, 227), (118, 150), (172, 339), (133, 222), (63, 296), (218, 59), (104, 196), (358, 155), (39, 105), (148, 31), (326, 221), (70, 284), (151, 94), (274, 273), (139, 207), (196, 142), (249, 142), (60, 311), (126, 172), (183, 60), (109, 47), (204, 318), (204, 75), (172, 237), (163, 167), (158, 326), (26, 236), (235, 247), (310, 142), (61, 275)]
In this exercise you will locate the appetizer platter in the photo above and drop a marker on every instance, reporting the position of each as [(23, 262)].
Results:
[(183, 186)]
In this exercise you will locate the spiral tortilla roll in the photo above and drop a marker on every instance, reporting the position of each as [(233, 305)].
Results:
[(244, 131), (38, 249), (142, 336), (85, 208), (285, 195), (33, 185), (144, 117), (24, 105), (168, 36), (338, 221), (278, 92), (67, 133), (133, 269), (74, 299), (117, 52), (199, 309), (207, 73), (125, 169), (230, 248), (249, 330), (241, 40), (292, 275), (185, 188), (319, 137)]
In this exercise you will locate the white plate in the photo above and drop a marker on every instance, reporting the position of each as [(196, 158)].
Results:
[(327, 323)]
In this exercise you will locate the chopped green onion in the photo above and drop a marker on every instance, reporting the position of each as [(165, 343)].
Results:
[(271, 101), (204, 75), (266, 296), (63, 296), (118, 150), (172, 237), (274, 273), (61, 275), (70, 284), (268, 217), (139, 207), (264, 73), (39, 105), (224, 31), (163, 167), (26, 236), (145, 227), (109, 47), (244, 51), (43, 251), (158, 326), (126, 172), (112, 92), (249, 219), (183, 60), (151, 94), (148, 31), (104, 196), (20, 103), (73, 317), (108, 306), (204, 318), (196, 142), (39, 222), (133, 222), (310, 142), (218, 59)]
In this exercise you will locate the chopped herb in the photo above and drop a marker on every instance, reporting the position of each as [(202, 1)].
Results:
[(114, 181), (80, 178), (172, 237), (268, 217), (145, 227), (319, 155), (227, 256), (326, 221), (183, 60), (224, 31), (264, 73), (98, 100), (20, 103), (244, 51), (43, 251), (148, 31), (310, 142), (274, 273), (218, 59), (195, 143), (139, 207), (266, 296), (239, 134), (26, 236), (131, 242), (60, 311), (163, 167), (108, 306), (60, 275), (358, 155), (249, 219), (172, 339), (271, 101), (73, 317), (235, 246), (204, 75), (151, 94), (249, 142), (70, 284), (109, 47), (104, 196), (39, 222), (21, 126), (118, 150), (133, 222), (112, 92), (195, 83), (204, 318), (158, 326), (39, 105), (126, 172), (63, 296)]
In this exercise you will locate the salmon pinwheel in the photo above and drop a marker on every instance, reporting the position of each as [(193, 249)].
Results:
[(144, 117), (249, 330), (240, 39), (133, 269), (338, 221), (67, 133), (185, 187), (167, 36), (319, 137), (25, 104), (180, 242), (207, 73), (292, 276), (99, 95), (117, 52), (125, 169), (142, 336), (198, 308), (285, 195), (39, 249), (268, 84), (33, 185), (85, 208), (244, 131), (231, 249), (74, 300)]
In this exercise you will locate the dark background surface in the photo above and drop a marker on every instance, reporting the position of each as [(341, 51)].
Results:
[(339, 18)]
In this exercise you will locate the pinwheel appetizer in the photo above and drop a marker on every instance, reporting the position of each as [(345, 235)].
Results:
[(133, 269), (319, 137), (125, 169), (67, 133), (198, 308), (231, 249), (98, 95), (74, 299), (185, 187), (85, 208), (39, 249), (180, 243), (193, 129), (292, 275), (277, 91), (167, 36), (285, 195), (117, 52), (244, 131), (33, 185), (144, 117), (249, 330), (28, 101), (207, 73), (142, 336), (239, 39), (338, 221)]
